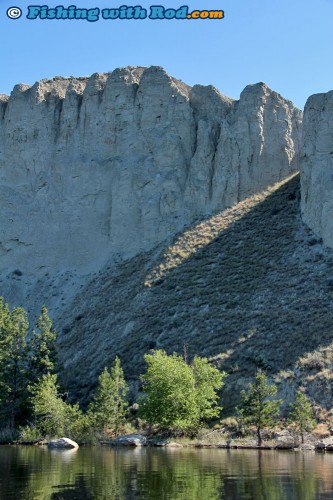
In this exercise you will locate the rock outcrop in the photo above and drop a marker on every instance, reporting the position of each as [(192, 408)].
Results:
[(317, 166), (107, 166)]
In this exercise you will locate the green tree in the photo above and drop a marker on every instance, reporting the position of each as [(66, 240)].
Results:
[(302, 414), (4, 333), (178, 395), (49, 410), (13, 348), (109, 404), (207, 381), (43, 351), (53, 417), (256, 407)]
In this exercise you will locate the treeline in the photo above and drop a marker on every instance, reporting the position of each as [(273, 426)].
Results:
[(22, 361), (178, 396)]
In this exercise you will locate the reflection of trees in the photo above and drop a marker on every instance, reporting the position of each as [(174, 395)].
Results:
[(13, 471), (274, 476), (177, 474), (79, 490)]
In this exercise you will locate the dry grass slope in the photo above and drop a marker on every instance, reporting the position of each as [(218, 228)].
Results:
[(249, 287)]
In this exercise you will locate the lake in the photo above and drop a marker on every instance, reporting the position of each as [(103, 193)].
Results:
[(32, 473)]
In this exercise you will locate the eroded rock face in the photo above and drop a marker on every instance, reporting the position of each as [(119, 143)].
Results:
[(113, 164), (317, 166)]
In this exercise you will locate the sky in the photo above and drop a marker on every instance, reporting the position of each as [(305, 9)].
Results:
[(287, 44)]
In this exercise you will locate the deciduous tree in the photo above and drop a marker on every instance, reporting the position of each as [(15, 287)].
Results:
[(178, 395)]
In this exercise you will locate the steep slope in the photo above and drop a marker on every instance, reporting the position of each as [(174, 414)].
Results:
[(249, 287)]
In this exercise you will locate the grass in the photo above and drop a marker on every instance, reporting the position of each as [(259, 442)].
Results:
[(250, 287)]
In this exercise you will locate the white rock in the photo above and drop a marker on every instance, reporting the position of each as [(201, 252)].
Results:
[(63, 443)]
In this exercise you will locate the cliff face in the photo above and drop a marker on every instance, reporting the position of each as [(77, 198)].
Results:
[(317, 166), (98, 175), (111, 165)]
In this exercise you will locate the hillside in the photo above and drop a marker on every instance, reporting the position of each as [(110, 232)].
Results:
[(248, 287)]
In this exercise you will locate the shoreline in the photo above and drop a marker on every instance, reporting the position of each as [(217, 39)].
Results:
[(174, 445)]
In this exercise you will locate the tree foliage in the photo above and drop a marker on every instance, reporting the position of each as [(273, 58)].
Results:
[(22, 362), (49, 410), (43, 351), (302, 414), (13, 349), (52, 416), (207, 380), (257, 406), (109, 404), (178, 395)]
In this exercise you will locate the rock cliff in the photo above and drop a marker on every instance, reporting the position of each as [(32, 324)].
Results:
[(99, 174), (111, 165), (317, 166)]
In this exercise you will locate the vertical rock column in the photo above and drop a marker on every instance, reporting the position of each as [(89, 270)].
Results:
[(317, 166)]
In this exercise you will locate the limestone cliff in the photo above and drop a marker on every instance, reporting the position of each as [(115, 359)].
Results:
[(111, 165), (317, 166)]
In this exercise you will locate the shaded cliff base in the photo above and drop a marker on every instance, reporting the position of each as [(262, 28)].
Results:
[(250, 287)]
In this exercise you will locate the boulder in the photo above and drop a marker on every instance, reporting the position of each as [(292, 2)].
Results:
[(284, 441), (305, 447), (63, 444), (130, 440), (325, 444), (285, 445)]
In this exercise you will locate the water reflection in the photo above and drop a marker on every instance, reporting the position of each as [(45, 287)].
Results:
[(176, 474), (65, 455)]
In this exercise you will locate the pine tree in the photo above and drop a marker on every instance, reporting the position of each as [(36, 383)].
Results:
[(43, 352), (302, 414), (256, 407), (109, 405), (48, 409), (53, 417)]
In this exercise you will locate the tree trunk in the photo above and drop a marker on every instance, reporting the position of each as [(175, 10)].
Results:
[(259, 436)]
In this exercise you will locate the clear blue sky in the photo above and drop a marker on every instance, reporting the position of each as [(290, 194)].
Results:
[(287, 44)]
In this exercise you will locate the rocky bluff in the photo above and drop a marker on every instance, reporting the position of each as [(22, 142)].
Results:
[(111, 165), (317, 166)]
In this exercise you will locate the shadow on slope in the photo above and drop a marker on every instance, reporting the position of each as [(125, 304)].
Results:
[(249, 287)]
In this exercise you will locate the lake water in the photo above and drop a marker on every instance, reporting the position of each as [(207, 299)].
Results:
[(29, 473)]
